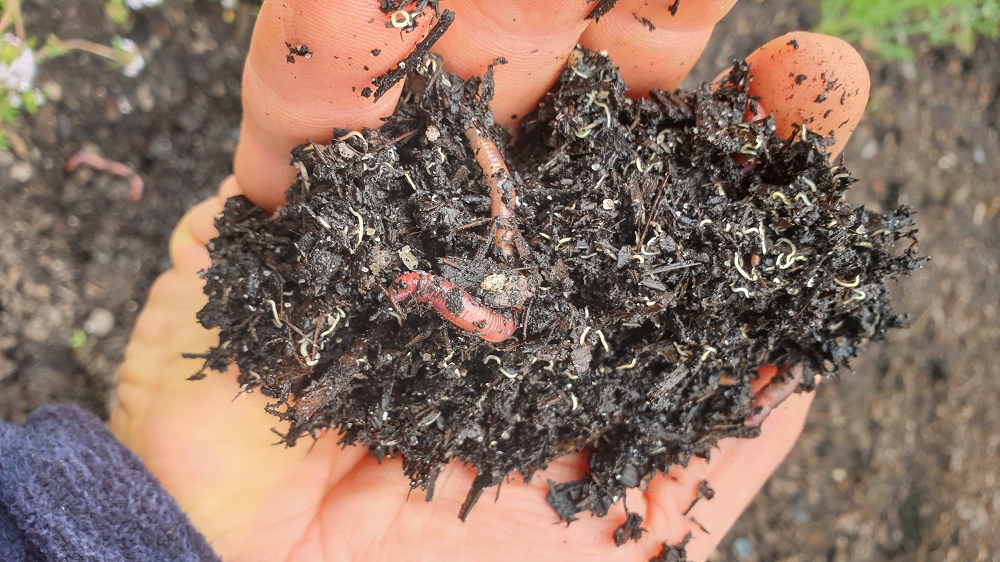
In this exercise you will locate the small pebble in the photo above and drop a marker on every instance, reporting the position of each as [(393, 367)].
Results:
[(124, 106), (742, 547), (909, 70), (21, 171), (978, 155), (52, 90), (161, 147), (100, 323), (948, 161), (838, 475), (869, 150), (145, 99)]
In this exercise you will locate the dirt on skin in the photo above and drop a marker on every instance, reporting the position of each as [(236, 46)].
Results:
[(642, 259)]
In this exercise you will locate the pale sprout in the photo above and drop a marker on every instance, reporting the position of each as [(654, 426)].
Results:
[(135, 62)]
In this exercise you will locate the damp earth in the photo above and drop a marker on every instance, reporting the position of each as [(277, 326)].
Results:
[(608, 282)]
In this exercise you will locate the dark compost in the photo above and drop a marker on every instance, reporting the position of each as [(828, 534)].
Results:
[(613, 288)]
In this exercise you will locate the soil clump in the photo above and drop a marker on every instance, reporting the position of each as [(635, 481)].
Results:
[(612, 288)]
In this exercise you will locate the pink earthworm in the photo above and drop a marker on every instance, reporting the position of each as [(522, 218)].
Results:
[(497, 177), (781, 387), (471, 315), (102, 164)]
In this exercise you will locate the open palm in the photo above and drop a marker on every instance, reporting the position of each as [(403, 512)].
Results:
[(216, 455)]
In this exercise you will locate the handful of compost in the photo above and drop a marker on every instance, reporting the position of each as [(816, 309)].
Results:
[(611, 282)]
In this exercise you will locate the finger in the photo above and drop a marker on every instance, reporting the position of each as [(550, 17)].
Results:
[(285, 103), (178, 288), (736, 472), (187, 243), (740, 467), (764, 375), (198, 437), (229, 188), (653, 47), (535, 38), (813, 79)]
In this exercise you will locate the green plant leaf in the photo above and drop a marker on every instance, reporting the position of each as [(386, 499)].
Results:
[(886, 26), (53, 47), (77, 339), (116, 11), (28, 102)]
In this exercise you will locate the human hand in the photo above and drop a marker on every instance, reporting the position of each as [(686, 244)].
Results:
[(255, 501)]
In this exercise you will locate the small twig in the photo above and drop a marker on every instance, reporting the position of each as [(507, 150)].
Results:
[(653, 210), (12, 13), (394, 75), (299, 332), (477, 222), (86, 46), (392, 300), (16, 142), (704, 491), (524, 322), (673, 266)]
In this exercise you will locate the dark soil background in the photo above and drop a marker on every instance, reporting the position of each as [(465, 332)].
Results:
[(899, 461)]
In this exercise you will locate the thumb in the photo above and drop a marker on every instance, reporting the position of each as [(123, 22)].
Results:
[(814, 79)]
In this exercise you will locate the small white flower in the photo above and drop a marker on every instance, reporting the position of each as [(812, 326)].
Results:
[(14, 100), (140, 4), (19, 73), (135, 62), (228, 4)]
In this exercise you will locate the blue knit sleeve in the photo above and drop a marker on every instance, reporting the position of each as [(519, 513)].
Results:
[(69, 491)]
